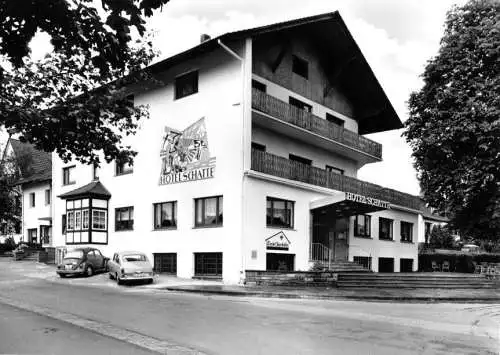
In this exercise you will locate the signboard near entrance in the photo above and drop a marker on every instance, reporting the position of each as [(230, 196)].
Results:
[(367, 200), (278, 241)]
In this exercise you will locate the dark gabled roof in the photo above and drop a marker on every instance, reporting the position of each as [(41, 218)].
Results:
[(35, 165), (94, 189), (429, 215), (379, 114)]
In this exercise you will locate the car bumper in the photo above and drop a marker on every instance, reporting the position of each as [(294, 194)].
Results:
[(136, 278), (70, 272)]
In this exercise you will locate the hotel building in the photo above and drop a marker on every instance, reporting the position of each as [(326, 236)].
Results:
[(249, 161)]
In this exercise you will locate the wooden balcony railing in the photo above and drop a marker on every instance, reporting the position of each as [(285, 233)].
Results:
[(288, 169), (306, 120)]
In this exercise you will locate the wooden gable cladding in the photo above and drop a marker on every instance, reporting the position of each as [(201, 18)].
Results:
[(273, 60)]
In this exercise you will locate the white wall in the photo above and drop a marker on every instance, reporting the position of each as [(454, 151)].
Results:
[(219, 101), (31, 215), (385, 248), (256, 231)]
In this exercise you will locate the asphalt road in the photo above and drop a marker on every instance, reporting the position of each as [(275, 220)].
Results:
[(231, 325), (23, 332)]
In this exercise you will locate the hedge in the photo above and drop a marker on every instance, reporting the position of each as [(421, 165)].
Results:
[(458, 262)]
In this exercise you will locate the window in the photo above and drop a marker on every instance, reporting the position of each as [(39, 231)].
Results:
[(362, 226), (68, 175), (405, 265), (279, 213), (300, 67), (208, 211), (384, 228), (32, 235), (332, 169), (63, 223), (165, 263), (78, 220), (85, 221), (385, 264), (71, 221), (300, 159), (333, 119), (259, 147), (406, 231), (259, 86), (208, 264), (98, 220), (366, 261), (32, 199), (123, 168), (299, 104), (124, 218), (47, 197), (95, 172), (165, 215), (186, 85)]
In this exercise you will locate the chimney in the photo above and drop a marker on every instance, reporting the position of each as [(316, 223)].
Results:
[(204, 37)]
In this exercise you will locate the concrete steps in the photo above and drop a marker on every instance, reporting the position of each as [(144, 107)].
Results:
[(346, 267), (414, 280)]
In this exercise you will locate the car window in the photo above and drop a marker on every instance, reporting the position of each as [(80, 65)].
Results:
[(76, 254), (135, 257), (97, 252), (90, 254)]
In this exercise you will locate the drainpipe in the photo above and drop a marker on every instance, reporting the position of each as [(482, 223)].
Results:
[(243, 110)]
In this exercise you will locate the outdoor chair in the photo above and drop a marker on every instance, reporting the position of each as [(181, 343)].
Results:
[(446, 266), (435, 266)]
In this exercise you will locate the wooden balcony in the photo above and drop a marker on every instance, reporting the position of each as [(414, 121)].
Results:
[(292, 115), (288, 169)]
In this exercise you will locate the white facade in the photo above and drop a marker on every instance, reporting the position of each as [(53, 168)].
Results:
[(223, 102), (37, 216)]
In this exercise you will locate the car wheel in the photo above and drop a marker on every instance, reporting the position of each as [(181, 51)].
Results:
[(111, 276), (118, 281), (62, 276), (150, 281), (89, 272)]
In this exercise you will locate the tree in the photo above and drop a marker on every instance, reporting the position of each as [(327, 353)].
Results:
[(454, 125), (441, 238), (74, 101)]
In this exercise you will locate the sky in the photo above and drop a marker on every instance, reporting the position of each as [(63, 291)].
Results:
[(397, 37)]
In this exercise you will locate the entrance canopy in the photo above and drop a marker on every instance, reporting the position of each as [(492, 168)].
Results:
[(348, 204)]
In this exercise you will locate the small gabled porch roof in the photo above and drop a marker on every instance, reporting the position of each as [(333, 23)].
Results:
[(94, 189)]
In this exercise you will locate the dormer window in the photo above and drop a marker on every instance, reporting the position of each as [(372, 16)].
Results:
[(300, 67)]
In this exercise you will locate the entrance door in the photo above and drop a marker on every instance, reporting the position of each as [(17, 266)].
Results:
[(340, 236)]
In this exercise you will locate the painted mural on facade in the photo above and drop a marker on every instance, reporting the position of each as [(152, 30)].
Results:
[(185, 155)]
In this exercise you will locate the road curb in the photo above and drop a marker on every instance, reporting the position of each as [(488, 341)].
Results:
[(105, 329), (333, 297)]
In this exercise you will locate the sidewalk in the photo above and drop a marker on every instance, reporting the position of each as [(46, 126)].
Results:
[(176, 284)]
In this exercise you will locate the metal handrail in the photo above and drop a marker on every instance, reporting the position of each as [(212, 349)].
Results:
[(306, 120), (288, 169)]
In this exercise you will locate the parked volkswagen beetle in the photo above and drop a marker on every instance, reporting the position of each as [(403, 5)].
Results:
[(82, 261), (130, 266)]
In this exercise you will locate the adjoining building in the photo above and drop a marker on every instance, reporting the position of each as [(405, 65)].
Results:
[(33, 192), (249, 161)]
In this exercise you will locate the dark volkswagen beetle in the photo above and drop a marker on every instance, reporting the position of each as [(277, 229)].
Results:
[(82, 261)]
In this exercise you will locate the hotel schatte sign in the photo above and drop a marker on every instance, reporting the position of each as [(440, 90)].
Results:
[(185, 155), (367, 200)]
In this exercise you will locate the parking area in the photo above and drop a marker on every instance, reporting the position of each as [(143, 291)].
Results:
[(30, 269)]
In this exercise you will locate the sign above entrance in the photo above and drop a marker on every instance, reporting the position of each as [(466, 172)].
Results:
[(278, 241), (185, 155), (367, 200)]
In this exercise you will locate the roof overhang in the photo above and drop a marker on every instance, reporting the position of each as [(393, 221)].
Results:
[(348, 204), (374, 112), (95, 189)]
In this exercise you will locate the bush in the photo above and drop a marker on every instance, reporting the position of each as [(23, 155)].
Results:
[(458, 262), (9, 245)]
